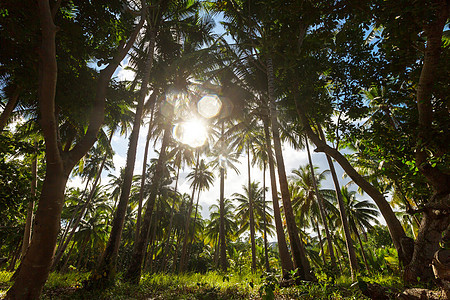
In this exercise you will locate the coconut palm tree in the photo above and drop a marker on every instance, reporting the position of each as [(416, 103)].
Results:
[(360, 215), (213, 227), (201, 180), (252, 209)]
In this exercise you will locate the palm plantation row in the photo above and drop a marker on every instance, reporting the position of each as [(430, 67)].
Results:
[(339, 76)]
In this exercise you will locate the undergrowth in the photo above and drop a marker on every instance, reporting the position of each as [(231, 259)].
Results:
[(211, 285)]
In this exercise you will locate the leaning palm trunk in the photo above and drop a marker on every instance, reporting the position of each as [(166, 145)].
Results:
[(321, 208), (348, 239), (319, 236), (144, 168), (63, 247), (298, 251), (107, 266), (133, 273), (30, 207), (362, 248), (402, 243), (286, 261)]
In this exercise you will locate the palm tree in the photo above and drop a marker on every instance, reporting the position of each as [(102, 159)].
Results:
[(313, 199), (182, 154), (224, 158), (360, 214), (201, 180), (344, 220), (213, 227), (251, 211), (246, 215)]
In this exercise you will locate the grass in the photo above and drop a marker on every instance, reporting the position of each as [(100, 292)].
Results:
[(212, 285)]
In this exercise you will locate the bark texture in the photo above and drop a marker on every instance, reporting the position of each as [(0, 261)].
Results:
[(321, 208), (297, 248), (105, 271), (133, 273), (286, 261)]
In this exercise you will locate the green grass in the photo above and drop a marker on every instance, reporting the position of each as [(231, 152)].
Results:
[(212, 285), (4, 282)]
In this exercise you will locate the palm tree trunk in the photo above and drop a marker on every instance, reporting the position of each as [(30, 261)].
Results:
[(266, 254), (15, 256), (30, 208), (402, 243), (107, 266), (223, 247), (63, 247), (72, 219), (319, 236), (68, 257), (250, 209), (175, 253), (195, 222), (344, 220), (144, 168), (12, 102), (298, 251), (362, 248), (321, 208), (83, 250), (133, 273), (168, 240), (181, 267), (286, 261)]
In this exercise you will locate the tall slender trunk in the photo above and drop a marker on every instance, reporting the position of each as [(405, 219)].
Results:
[(72, 219), (63, 268), (266, 254), (195, 222), (344, 220), (298, 251), (133, 273), (362, 248), (223, 247), (63, 247), (12, 102), (250, 210), (30, 207), (319, 236), (168, 241), (15, 256), (144, 168), (321, 207), (181, 267), (152, 240), (175, 253), (402, 243), (83, 247), (286, 261), (105, 271)]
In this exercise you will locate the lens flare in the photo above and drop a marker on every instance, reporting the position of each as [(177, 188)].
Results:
[(209, 106), (192, 133)]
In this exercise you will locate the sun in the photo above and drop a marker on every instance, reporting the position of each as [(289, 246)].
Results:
[(192, 133)]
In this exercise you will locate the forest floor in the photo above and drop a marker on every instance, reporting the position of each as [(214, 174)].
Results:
[(209, 286)]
